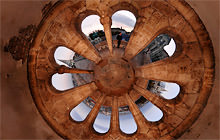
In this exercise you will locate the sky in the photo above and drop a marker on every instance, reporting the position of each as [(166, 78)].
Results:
[(80, 112), (102, 122), (90, 24), (127, 21), (127, 123), (122, 18), (172, 90), (63, 53), (151, 112), (62, 81), (170, 48)]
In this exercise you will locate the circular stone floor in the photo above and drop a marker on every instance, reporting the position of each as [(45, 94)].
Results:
[(114, 76)]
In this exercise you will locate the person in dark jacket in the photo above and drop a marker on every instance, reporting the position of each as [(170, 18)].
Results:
[(119, 38)]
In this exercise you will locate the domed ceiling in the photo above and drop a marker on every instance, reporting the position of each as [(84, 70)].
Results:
[(122, 91)]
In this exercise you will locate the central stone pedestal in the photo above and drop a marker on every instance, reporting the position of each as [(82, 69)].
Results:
[(114, 76)]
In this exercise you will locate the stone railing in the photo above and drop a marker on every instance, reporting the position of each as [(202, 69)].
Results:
[(103, 45)]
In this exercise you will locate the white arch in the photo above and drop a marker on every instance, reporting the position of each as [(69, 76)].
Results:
[(63, 53), (170, 48), (171, 90), (80, 112), (124, 19), (127, 123), (62, 81), (90, 24), (151, 112), (102, 123)]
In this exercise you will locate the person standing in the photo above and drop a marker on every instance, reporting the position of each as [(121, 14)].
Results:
[(119, 38)]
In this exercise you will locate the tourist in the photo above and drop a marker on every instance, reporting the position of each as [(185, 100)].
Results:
[(119, 38)]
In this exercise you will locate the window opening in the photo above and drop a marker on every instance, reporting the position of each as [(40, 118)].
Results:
[(165, 89), (62, 81), (63, 56), (90, 24), (82, 110), (94, 31), (126, 120), (102, 121), (163, 46), (123, 19), (170, 48), (67, 57), (67, 81), (123, 23), (151, 112)]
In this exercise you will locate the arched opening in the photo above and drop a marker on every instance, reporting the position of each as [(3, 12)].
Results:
[(127, 123), (90, 24), (67, 81), (67, 57), (167, 90), (63, 56), (123, 23), (163, 46), (62, 81), (82, 110), (123, 19), (151, 112), (170, 48), (93, 30), (103, 119)]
